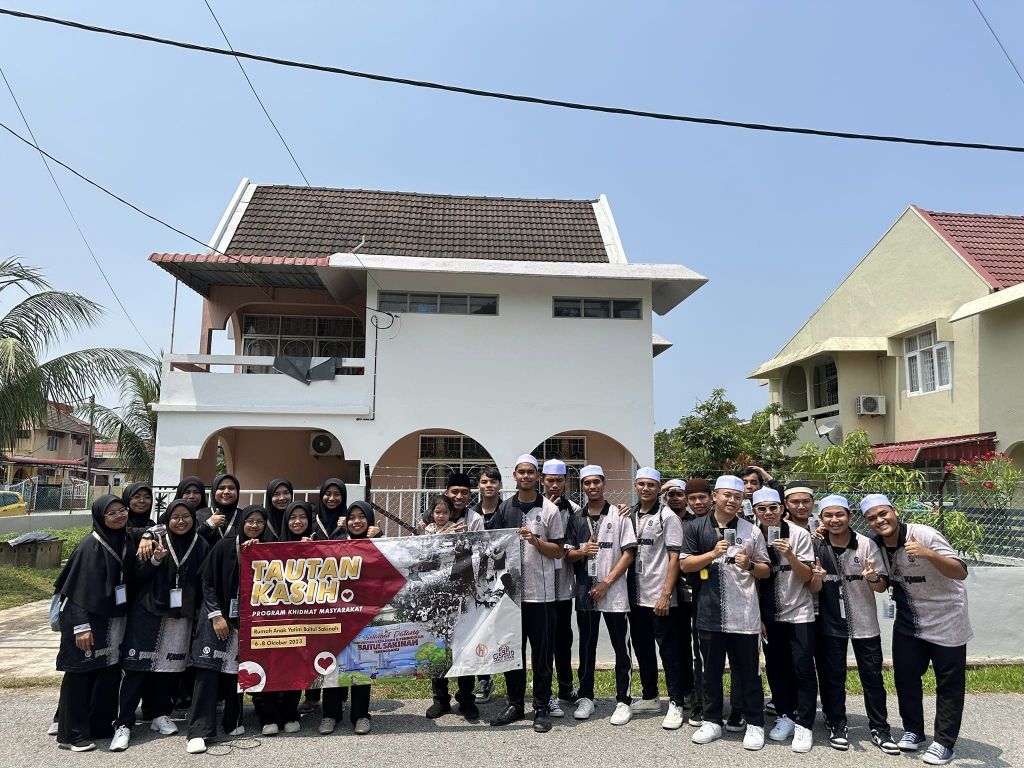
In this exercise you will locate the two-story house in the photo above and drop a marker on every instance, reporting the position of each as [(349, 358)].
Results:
[(51, 453), (413, 334), (922, 344)]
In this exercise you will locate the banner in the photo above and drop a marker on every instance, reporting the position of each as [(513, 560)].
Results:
[(327, 613)]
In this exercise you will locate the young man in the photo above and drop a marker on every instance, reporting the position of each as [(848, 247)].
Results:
[(730, 555), (799, 498), (698, 501), (553, 478), (540, 527), (489, 490), (674, 494), (849, 571), (752, 482), (604, 547), (653, 578), (787, 614), (927, 578)]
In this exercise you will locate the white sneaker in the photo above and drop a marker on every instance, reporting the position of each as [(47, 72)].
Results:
[(783, 729), (707, 733), (163, 726), (584, 709), (292, 727), (622, 714), (754, 738), (120, 741), (195, 746), (555, 708), (362, 726), (646, 705), (271, 730), (803, 739), (238, 731), (327, 725), (52, 730), (674, 718)]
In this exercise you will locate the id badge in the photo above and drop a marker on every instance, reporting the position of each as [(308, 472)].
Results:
[(233, 608), (890, 609), (120, 594), (774, 532), (842, 608), (592, 568), (175, 601), (639, 567), (729, 534), (558, 564)]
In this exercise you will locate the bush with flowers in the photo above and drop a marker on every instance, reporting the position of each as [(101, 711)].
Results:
[(990, 480)]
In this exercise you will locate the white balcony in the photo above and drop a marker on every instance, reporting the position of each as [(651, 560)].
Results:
[(248, 384)]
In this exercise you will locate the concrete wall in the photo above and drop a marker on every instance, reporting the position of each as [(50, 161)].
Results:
[(1002, 360)]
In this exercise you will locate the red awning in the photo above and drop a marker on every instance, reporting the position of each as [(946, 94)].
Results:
[(36, 462), (939, 449)]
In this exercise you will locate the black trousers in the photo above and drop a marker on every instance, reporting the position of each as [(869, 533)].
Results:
[(211, 686), (698, 659), (463, 693), (830, 661), (910, 657), (742, 651), (789, 664), (686, 643), (563, 648), (589, 623), (334, 702), (647, 629), (186, 682), (160, 687), (277, 707), (539, 631), (87, 705)]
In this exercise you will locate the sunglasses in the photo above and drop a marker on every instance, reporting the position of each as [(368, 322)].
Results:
[(767, 507)]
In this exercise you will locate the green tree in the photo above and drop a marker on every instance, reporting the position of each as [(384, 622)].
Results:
[(849, 468), (711, 438), (37, 319)]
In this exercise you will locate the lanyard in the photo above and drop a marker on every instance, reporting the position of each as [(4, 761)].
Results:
[(113, 554), (178, 563)]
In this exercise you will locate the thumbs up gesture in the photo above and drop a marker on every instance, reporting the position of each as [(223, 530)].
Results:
[(817, 572), (915, 548)]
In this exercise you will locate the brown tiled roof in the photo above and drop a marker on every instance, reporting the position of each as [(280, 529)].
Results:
[(992, 245), (298, 221), (59, 419)]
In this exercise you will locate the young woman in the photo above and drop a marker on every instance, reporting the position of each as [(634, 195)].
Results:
[(359, 523), (138, 498), (93, 606), (193, 490), (168, 588), (330, 510), (279, 496), (221, 519), (215, 650)]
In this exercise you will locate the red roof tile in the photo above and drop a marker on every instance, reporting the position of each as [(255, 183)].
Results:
[(938, 449), (992, 245)]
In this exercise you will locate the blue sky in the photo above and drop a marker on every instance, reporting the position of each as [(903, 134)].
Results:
[(774, 221)]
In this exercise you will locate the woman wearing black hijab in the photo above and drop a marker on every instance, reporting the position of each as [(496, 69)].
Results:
[(138, 498), (220, 520), (279, 496), (359, 519), (330, 510), (93, 606), (215, 649), (168, 589), (193, 490)]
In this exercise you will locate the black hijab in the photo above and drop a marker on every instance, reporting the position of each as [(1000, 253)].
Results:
[(286, 532), (277, 518), (368, 513), (138, 519), (221, 575), (190, 550), (198, 483), (326, 518), (232, 522), (92, 573)]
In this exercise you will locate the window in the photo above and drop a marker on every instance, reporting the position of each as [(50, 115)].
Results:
[(623, 309), (441, 455), (273, 335), (572, 449), (24, 434), (826, 384), (929, 363), (7, 499), (437, 303), (51, 441)]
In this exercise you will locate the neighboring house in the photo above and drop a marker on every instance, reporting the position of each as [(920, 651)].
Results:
[(921, 344), (50, 454), (107, 467), (517, 325)]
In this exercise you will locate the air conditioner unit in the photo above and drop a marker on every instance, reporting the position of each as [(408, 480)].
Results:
[(324, 444), (870, 405)]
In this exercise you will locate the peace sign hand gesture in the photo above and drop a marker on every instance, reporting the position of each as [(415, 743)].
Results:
[(817, 572)]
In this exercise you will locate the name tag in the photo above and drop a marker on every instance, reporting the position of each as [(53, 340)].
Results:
[(592, 567), (233, 608), (120, 594), (842, 608), (889, 609), (639, 567), (558, 564), (175, 601)]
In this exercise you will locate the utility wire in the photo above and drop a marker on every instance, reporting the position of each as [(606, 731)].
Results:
[(517, 97), (998, 41), (81, 234)]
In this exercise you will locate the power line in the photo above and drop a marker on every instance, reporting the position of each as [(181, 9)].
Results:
[(998, 41), (81, 234), (625, 111)]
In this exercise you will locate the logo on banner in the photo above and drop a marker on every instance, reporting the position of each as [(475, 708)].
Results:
[(505, 653), (251, 677), (325, 663), (481, 650)]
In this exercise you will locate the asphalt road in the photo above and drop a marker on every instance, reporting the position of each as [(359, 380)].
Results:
[(991, 737)]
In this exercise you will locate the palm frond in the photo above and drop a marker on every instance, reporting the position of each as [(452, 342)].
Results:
[(44, 319), (14, 273), (76, 375)]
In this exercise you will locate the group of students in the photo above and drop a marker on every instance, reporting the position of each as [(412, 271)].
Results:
[(690, 573)]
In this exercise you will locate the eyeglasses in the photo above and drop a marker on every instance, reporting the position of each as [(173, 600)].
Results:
[(116, 513), (254, 523), (185, 519), (767, 507)]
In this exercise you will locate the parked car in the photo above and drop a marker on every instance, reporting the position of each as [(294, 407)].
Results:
[(12, 504)]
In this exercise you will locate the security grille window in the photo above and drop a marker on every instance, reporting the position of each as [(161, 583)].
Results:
[(621, 309), (929, 363), (273, 335), (572, 449), (51, 441), (826, 384), (437, 303), (440, 455)]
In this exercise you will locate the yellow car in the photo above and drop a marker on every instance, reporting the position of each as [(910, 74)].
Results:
[(11, 504)]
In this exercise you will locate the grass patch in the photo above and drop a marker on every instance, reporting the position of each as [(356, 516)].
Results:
[(25, 585)]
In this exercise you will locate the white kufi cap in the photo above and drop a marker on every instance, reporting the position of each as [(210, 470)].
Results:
[(729, 483), (554, 467)]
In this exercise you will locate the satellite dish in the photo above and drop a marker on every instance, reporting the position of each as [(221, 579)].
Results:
[(828, 430)]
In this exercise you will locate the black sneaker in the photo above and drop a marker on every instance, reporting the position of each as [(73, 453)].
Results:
[(484, 689), (838, 738), (509, 715), (470, 711), (883, 740), (569, 698), (696, 718), (437, 709), (736, 723), (541, 721)]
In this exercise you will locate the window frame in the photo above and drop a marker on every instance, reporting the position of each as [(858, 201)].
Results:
[(282, 336), (612, 307), (914, 357), (389, 301)]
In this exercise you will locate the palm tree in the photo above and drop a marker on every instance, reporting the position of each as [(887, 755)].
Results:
[(32, 326), (134, 422)]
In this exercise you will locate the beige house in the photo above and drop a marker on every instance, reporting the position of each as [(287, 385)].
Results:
[(922, 344), (50, 453)]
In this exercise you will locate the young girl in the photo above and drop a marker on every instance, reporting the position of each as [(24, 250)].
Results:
[(168, 588), (279, 496), (93, 606), (441, 513), (215, 650), (220, 520), (138, 498), (330, 511)]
